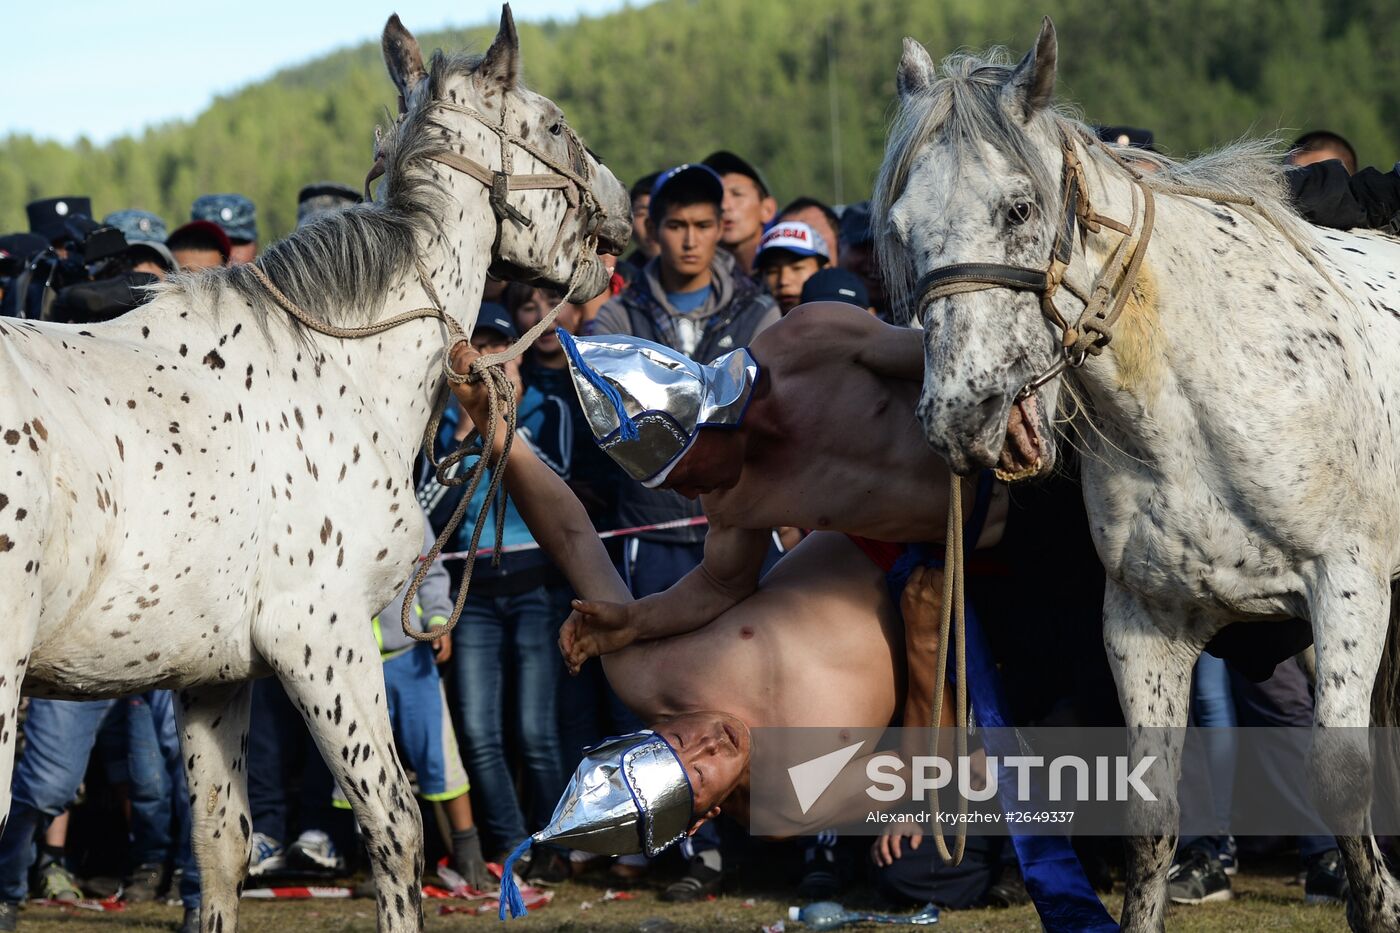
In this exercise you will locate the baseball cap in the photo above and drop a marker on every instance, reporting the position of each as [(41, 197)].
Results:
[(202, 230), (323, 197), (48, 216), (793, 236), (704, 178), (493, 316), (726, 163), (22, 246), (156, 249), (836, 285), (855, 224), (138, 226), (234, 214)]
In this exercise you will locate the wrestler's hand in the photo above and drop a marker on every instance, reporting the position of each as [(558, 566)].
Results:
[(922, 601), (593, 629), (473, 396), (889, 846)]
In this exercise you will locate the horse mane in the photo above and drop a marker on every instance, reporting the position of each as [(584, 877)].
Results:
[(964, 104), (339, 267)]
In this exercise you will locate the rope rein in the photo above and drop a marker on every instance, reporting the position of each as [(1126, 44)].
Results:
[(488, 368), (953, 614)]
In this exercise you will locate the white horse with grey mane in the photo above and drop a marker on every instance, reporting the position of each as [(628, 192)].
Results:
[(1233, 382), (206, 491)]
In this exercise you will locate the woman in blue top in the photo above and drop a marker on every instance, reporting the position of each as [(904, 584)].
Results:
[(506, 638)]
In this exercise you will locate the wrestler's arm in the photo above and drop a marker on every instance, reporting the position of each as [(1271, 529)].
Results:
[(823, 331), (551, 511), (728, 574)]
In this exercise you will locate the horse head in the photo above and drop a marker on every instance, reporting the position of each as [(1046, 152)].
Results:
[(969, 191), (556, 205)]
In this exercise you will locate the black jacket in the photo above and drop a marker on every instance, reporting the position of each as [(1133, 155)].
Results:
[(1326, 195)]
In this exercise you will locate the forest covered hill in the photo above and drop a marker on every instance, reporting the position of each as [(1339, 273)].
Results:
[(673, 80)]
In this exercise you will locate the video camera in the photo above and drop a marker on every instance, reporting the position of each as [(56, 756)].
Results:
[(92, 249), (86, 252)]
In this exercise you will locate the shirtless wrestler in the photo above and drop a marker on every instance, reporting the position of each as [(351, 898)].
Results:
[(814, 428), (819, 644)]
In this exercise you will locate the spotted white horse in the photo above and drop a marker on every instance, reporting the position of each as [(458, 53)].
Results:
[(1242, 448), (205, 491)]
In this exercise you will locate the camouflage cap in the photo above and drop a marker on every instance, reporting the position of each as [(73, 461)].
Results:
[(323, 197), (138, 226), (234, 213)]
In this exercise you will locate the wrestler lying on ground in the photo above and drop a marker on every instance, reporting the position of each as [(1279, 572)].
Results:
[(829, 441), (819, 644)]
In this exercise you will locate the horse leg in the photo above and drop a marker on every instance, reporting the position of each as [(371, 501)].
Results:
[(1350, 613), (1152, 660), (213, 722), (338, 684)]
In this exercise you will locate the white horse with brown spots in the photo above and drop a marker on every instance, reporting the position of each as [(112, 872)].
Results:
[(1243, 447), (205, 491)]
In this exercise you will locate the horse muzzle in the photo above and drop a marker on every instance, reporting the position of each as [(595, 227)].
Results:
[(970, 436)]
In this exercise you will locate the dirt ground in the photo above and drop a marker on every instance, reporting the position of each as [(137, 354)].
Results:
[(1266, 898)]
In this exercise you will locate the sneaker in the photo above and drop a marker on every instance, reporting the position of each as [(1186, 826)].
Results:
[(190, 924), (820, 879), (1229, 857), (1008, 891), (1326, 881), (144, 884), (267, 856), (57, 883), (1196, 878), (314, 849), (699, 882), (9, 916)]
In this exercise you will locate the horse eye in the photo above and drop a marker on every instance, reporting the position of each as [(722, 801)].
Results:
[(557, 128), (1020, 212)]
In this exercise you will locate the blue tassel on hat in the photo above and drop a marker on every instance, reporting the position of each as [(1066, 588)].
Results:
[(511, 898), (628, 429)]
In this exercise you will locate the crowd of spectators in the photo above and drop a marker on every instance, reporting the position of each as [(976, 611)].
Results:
[(715, 261)]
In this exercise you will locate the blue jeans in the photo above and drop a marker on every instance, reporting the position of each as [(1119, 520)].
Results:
[(281, 755), (510, 642), (1212, 708), (59, 737)]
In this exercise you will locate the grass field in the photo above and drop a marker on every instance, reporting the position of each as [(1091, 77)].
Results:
[(1266, 899)]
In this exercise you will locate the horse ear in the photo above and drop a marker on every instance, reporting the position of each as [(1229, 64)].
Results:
[(402, 56), (916, 71), (1032, 84), (501, 63)]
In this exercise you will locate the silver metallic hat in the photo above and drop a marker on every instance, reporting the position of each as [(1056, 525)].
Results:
[(647, 403), (630, 794)]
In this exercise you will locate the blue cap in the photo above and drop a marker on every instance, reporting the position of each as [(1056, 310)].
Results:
[(836, 285), (694, 173), (138, 226), (855, 224), (493, 316), (234, 213)]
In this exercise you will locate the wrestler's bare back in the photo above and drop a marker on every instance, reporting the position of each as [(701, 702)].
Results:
[(819, 644), (834, 445)]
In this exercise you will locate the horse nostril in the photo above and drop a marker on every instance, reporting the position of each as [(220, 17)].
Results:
[(990, 409)]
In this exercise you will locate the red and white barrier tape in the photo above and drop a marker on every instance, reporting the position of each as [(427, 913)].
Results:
[(613, 533)]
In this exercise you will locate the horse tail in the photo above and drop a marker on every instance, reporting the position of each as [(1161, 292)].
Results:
[(1385, 694)]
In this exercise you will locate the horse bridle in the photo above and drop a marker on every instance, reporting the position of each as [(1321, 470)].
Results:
[(568, 179), (1092, 331)]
